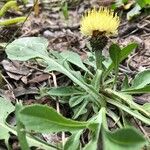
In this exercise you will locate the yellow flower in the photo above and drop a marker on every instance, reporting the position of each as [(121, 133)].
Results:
[(103, 21)]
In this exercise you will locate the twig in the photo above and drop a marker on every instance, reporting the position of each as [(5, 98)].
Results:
[(57, 105), (142, 129)]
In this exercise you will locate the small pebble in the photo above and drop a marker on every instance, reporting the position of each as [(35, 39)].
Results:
[(48, 34)]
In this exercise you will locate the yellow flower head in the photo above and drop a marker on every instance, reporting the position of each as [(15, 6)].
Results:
[(103, 20)]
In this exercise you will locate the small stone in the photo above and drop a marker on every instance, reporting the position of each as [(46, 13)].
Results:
[(48, 34)]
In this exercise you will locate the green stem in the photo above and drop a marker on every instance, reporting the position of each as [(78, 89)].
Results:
[(104, 118), (99, 58), (129, 110), (115, 80), (21, 130)]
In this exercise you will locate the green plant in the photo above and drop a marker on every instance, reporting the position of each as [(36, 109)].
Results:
[(10, 5), (134, 6), (85, 94)]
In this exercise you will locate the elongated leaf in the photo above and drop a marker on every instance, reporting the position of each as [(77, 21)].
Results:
[(123, 139), (130, 111), (27, 48), (93, 143), (4, 135), (124, 53), (21, 129), (45, 119), (143, 90), (6, 107), (142, 79), (74, 58), (115, 54), (80, 110), (125, 83), (146, 106), (75, 100), (140, 83), (127, 50), (64, 91), (73, 143)]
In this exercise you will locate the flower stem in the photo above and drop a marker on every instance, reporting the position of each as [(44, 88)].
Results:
[(115, 80), (98, 57)]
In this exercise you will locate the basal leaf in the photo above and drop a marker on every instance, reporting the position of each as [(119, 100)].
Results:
[(5, 109), (123, 139), (145, 89), (93, 143), (80, 110), (142, 79), (45, 119), (74, 58), (73, 142), (75, 100), (64, 91), (146, 106), (27, 48)]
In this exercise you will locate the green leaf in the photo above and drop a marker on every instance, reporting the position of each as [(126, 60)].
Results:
[(45, 119), (127, 50), (143, 3), (75, 59), (140, 83), (124, 53), (93, 143), (122, 96), (75, 100), (64, 91), (127, 99), (143, 90), (73, 143), (27, 48), (125, 83), (5, 109), (80, 110), (134, 12), (64, 9), (131, 111), (146, 106), (21, 129), (123, 139), (142, 79), (115, 54), (4, 135)]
